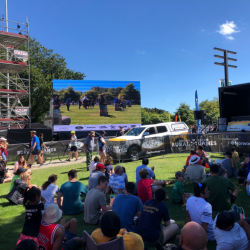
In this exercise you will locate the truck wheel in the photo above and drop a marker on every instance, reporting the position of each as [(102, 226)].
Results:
[(133, 153)]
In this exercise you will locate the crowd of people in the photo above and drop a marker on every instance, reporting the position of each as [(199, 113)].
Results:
[(135, 211)]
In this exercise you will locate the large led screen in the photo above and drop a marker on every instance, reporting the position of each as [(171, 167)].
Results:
[(102, 105)]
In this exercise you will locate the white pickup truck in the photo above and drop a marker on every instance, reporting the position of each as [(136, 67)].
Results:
[(145, 140)]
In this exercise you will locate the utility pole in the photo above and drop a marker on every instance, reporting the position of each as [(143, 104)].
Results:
[(225, 64)]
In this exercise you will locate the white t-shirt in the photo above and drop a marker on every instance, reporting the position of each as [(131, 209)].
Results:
[(92, 166), (201, 211), (235, 239), (49, 194)]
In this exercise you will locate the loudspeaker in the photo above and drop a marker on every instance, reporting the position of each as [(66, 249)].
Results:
[(222, 124), (200, 114)]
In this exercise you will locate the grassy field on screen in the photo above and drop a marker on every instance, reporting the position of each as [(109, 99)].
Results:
[(92, 116)]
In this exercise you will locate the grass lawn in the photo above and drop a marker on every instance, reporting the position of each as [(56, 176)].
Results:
[(91, 116), (12, 217)]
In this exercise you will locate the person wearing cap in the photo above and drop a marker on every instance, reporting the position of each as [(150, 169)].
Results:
[(193, 236), (89, 147), (35, 149), (178, 195), (17, 175), (223, 171), (199, 210), (196, 173), (230, 165), (73, 148), (231, 232), (127, 206), (93, 164), (101, 144), (201, 153), (95, 203), (71, 192), (150, 224), (52, 235), (94, 176), (116, 182), (220, 197), (110, 228)]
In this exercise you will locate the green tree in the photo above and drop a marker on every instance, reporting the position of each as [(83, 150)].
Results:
[(45, 65), (153, 116), (130, 93), (186, 114), (212, 110), (91, 94)]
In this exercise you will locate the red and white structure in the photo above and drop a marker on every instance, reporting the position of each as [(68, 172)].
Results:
[(14, 74)]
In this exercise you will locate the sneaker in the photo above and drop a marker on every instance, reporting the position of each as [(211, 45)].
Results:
[(68, 160), (242, 213), (41, 165), (76, 159)]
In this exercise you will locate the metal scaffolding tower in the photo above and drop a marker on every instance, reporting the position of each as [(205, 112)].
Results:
[(14, 74)]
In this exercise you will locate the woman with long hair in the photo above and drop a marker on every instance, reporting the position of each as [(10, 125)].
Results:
[(20, 163), (230, 165), (49, 190)]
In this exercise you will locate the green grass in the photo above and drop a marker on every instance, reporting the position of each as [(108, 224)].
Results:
[(91, 116), (12, 217)]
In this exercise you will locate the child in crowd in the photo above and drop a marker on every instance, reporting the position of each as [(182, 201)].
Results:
[(31, 202), (109, 168), (178, 196), (3, 148)]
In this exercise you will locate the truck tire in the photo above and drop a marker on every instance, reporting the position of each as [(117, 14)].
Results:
[(133, 152)]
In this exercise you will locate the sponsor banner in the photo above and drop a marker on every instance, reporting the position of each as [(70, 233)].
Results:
[(222, 82), (22, 55), (238, 126), (58, 128), (22, 110)]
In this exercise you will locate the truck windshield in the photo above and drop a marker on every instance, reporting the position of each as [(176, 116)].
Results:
[(135, 131)]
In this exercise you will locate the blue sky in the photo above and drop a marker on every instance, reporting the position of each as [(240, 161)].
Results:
[(86, 85), (166, 45)]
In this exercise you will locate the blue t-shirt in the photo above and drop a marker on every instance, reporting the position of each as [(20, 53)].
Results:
[(116, 100), (149, 226), (150, 172), (126, 206), (36, 139), (68, 101), (72, 191), (116, 182)]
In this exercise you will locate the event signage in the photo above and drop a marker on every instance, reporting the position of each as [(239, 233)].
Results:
[(22, 111), (22, 55), (238, 126), (58, 128)]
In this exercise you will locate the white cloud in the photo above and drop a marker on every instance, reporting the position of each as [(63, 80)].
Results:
[(203, 30), (169, 99), (227, 29), (141, 52)]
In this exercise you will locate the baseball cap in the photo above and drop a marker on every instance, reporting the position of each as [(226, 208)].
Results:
[(227, 153), (73, 132), (100, 166), (20, 170), (179, 174), (226, 219)]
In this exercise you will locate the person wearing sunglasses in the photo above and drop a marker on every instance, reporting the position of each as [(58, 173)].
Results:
[(199, 210)]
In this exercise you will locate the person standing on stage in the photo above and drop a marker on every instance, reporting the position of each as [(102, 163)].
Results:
[(102, 149), (89, 147), (56, 103), (68, 103)]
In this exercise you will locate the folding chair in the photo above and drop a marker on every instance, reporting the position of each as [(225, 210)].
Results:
[(116, 244)]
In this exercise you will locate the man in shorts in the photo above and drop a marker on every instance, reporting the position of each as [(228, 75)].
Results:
[(73, 147), (35, 150), (102, 149)]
